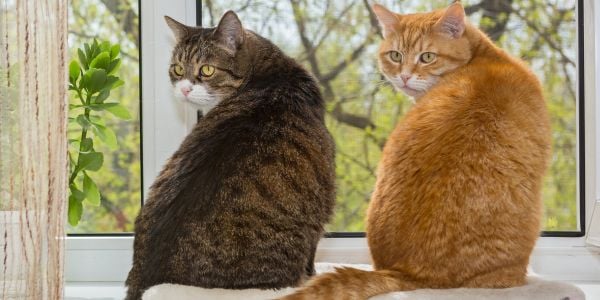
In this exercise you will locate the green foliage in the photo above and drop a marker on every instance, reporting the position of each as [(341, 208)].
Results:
[(119, 178), (91, 79), (540, 32)]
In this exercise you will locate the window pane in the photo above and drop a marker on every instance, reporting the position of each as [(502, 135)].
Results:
[(119, 179), (363, 108)]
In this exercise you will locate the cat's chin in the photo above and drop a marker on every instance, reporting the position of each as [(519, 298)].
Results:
[(412, 93), (203, 105)]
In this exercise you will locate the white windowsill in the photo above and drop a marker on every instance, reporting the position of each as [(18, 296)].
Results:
[(108, 259)]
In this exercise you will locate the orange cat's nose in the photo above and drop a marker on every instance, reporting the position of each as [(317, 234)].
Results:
[(405, 77)]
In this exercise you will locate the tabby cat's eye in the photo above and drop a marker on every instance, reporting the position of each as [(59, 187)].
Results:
[(207, 70), (427, 57), (396, 56), (178, 69)]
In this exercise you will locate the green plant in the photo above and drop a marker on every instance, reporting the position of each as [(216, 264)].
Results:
[(91, 79)]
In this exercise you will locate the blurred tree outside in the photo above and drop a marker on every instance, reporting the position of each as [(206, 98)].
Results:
[(337, 41), (119, 179)]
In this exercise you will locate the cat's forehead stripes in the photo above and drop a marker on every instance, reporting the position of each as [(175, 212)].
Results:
[(410, 37)]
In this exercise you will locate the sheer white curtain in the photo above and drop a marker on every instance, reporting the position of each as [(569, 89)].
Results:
[(33, 162)]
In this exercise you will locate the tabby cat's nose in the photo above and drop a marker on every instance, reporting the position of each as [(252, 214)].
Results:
[(186, 90)]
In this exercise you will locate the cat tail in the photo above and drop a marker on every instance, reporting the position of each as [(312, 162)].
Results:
[(351, 284)]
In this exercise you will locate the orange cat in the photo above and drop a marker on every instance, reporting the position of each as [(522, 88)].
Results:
[(458, 195)]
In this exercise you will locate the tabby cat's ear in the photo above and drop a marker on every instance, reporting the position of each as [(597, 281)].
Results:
[(387, 19), (179, 30), (452, 23), (230, 32)]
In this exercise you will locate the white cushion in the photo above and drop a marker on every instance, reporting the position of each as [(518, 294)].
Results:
[(536, 289)]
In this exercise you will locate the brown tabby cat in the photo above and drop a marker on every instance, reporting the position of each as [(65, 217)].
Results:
[(457, 201), (243, 201)]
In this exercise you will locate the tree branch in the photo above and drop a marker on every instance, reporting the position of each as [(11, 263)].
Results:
[(117, 213), (335, 71), (471, 9), (125, 16), (373, 19), (546, 36), (498, 12), (306, 43), (353, 120)]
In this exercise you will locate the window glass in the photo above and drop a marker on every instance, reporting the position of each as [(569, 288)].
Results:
[(119, 179), (336, 40)]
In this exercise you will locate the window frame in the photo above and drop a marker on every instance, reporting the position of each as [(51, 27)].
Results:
[(563, 256)]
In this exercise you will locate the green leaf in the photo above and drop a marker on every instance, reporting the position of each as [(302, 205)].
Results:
[(95, 49), (75, 211), (113, 82), (82, 58), (75, 192), (95, 80), (119, 111), (97, 120), (106, 135), (74, 71), (100, 106), (83, 121), (102, 96), (118, 84), (90, 161), (87, 145), (92, 194), (116, 109), (101, 61), (113, 67), (88, 52), (105, 46), (114, 51)]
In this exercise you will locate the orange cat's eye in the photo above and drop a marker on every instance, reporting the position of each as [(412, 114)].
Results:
[(178, 70), (427, 57), (207, 70), (396, 56)]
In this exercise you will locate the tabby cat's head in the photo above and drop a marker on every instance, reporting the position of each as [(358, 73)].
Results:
[(208, 64), (418, 49)]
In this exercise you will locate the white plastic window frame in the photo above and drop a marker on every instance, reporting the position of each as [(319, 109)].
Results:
[(166, 122)]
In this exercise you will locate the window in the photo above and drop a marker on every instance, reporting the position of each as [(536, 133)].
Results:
[(165, 122), (339, 47), (119, 179), (336, 40)]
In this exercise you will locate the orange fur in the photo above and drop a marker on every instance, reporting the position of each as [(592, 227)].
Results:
[(458, 196)]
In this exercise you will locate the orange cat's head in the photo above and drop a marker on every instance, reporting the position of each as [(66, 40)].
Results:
[(418, 49)]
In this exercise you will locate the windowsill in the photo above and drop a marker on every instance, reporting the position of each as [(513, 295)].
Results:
[(108, 259)]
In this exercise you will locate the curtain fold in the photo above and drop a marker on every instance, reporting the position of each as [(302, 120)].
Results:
[(33, 147)]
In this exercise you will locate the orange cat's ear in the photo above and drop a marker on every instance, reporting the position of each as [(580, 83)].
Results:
[(387, 19), (452, 23)]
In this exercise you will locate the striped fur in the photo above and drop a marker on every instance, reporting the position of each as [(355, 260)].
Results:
[(243, 201)]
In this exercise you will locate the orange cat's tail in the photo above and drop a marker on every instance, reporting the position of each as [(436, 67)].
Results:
[(349, 283)]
